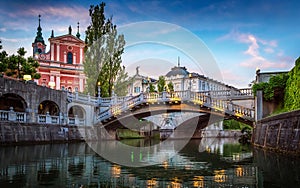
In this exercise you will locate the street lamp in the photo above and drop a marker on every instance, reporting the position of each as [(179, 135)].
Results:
[(99, 89), (190, 76), (26, 77), (51, 84)]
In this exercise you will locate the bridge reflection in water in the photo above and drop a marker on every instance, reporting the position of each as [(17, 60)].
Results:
[(223, 163)]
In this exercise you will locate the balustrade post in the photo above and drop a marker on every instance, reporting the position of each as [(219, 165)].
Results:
[(76, 120), (61, 119), (89, 97), (141, 97), (76, 95), (12, 116), (48, 118), (164, 95)]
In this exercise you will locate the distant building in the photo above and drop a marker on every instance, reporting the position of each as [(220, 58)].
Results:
[(139, 84), (183, 80), (61, 67)]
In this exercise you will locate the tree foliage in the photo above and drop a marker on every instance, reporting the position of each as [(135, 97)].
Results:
[(3, 60), (17, 65), (232, 124), (161, 84), (274, 89), (292, 91), (151, 88), (171, 86), (122, 83), (103, 53)]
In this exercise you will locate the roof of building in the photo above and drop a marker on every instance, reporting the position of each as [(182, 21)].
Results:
[(177, 71)]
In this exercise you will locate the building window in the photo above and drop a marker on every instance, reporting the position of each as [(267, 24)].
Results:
[(70, 58), (136, 89)]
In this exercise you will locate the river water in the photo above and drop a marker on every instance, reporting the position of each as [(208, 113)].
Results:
[(205, 163)]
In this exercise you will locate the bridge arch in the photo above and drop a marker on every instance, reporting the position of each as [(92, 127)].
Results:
[(145, 110), (48, 106), (78, 111), (9, 100)]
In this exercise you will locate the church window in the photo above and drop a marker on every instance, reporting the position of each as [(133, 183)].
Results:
[(70, 58)]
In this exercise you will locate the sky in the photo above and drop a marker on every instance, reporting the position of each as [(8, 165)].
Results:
[(224, 40)]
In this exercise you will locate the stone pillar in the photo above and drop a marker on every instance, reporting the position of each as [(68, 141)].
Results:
[(57, 52), (65, 57), (76, 120), (52, 52), (81, 83), (164, 95), (48, 118), (81, 56), (259, 105), (12, 116), (57, 84), (74, 58)]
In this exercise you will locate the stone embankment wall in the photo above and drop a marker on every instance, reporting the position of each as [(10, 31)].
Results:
[(280, 133), (22, 133)]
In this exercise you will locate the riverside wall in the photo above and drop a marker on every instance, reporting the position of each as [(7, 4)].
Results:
[(28, 133), (280, 133)]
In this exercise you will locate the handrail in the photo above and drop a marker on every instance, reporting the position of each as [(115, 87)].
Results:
[(206, 99)]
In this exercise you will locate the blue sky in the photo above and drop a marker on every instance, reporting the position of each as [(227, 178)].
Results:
[(241, 35)]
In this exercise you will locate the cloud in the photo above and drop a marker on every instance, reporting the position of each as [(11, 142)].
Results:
[(269, 50), (15, 40), (256, 58)]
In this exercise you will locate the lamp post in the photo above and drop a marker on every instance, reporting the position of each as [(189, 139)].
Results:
[(27, 77), (99, 89), (190, 77), (51, 84)]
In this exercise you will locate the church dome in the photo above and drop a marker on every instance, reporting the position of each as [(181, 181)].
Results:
[(177, 71)]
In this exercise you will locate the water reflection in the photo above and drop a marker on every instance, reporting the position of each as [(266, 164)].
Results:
[(209, 163)]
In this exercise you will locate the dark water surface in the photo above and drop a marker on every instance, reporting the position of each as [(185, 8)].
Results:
[(205, 163)]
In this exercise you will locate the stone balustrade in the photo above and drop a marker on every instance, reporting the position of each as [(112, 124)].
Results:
[(200, 98), (11, 115), (116, 105)]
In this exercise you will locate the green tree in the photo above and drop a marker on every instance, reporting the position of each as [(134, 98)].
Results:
[(274, 89), (161, 83), (17, 65), (3, 59), (151, 88), (292, 92), (122, 83), (170, 86), (103, 53)]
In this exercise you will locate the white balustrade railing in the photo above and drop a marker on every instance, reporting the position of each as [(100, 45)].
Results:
[(117, 105), (202, 98), (12, 116)]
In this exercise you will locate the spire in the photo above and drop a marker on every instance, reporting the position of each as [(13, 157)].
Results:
[(178, 60), (78, 34), (39, 37)]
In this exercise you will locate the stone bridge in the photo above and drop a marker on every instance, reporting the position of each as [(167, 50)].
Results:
[(217, 103), (26, 102)]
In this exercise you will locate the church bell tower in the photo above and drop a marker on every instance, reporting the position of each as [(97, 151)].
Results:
[(39, 45)]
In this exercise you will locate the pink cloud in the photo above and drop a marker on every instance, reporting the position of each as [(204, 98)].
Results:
[(269, 50), (255, 58)]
